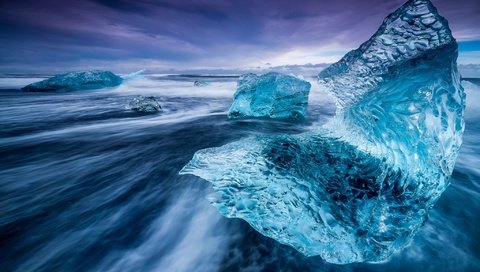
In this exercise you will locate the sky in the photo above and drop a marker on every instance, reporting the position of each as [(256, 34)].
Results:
[(162, 35)]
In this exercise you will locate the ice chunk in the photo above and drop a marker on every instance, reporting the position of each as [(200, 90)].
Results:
[(200, 83), (403, 36), (271, 95), (145, 104), (360, 187), (76, 81)]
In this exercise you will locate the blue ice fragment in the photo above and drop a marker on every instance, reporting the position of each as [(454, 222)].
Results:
[(145, 104), (360, 187), (271, 95), (76, 81)]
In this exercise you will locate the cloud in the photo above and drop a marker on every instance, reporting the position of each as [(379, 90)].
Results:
[(469, 70), (197, 33)]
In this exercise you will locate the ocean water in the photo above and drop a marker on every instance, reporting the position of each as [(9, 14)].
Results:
[(88, 185)]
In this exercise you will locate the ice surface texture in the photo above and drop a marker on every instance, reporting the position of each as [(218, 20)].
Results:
[(271, 95), (145, 104), (76, 81), (358, 188)]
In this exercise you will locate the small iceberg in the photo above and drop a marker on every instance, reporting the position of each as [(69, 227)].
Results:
[(80, 81), (145, 104), (272, 95)]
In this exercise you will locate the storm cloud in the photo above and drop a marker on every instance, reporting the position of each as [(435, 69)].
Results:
[(53, 35)]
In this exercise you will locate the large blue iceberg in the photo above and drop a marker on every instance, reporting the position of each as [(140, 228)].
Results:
[(360, 187), (272, 95), (76, 81)]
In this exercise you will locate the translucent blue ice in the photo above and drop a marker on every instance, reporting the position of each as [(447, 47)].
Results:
[(76, 81), (271, 95), (360, 187)]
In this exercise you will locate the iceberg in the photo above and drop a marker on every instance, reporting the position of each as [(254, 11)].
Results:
[(272, 95), (358, 188), (76, 81), (145, 104)]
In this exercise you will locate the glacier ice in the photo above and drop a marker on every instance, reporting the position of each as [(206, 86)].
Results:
[(271, 95), (76, 81), (358, 188), (145, 104)]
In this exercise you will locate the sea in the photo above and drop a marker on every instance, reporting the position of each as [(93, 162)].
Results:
[(86, 184)]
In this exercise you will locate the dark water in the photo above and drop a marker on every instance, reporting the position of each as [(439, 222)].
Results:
[(87, 185)]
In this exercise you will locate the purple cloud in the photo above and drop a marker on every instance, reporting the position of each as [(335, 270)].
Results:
[(43, 35)]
